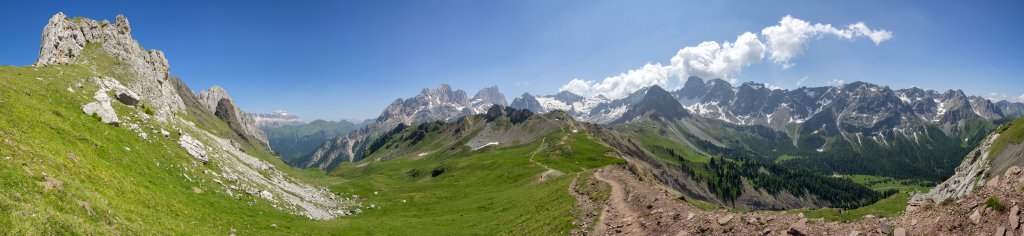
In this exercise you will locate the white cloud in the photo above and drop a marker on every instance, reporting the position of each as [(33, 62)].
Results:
[(801, 81), (625, 83), (837, 82), (786, 40), (725, 60), (577, 86), (995, 97), (707, 60)]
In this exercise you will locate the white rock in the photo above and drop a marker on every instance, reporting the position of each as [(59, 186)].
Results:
[(193, 147), (101, 107)]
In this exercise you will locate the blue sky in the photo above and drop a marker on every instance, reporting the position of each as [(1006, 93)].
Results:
[(336, 59)]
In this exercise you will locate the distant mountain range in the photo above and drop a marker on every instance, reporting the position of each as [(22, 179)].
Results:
[(856, 107), (440, 104), (853, 111)]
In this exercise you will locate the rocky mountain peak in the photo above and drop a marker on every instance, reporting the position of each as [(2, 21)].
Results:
[(529, 102), (568, 97), (64, 40), (490, 95), (442, 94), (657, 103)]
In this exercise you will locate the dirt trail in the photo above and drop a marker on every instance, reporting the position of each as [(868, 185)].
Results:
[(617, 217), (549, 173)]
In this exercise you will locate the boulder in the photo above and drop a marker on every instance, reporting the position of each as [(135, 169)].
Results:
[(725, 219), (1013, 170), (127, 97), (855, 233), (900, 232), (1001, 231), (799, 228), (975, 217), (101, 108), (1014, 217), (885, 228)]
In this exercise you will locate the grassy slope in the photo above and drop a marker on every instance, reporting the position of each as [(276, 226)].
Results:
[(132, 186), (1008, 133), (484, 192)]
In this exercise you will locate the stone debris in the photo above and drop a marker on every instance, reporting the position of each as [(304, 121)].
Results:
[(194, 148)]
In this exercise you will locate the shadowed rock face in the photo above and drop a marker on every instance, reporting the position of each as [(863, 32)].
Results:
[(64, 40), (218, 102), (226, 111)]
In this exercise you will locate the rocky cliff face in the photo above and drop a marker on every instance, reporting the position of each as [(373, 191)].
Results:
[(1011, 109), (969, 175), (983, 166), (64, 40), (217, 102)]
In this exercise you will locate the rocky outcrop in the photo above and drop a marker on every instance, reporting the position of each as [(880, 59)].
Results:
[(969, 175), (64, 41), (218, 103)]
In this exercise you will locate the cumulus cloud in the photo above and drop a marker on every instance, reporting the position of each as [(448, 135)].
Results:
[(725, 60), (708, 60), (577, 86), (837, 82), (786, 40)]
